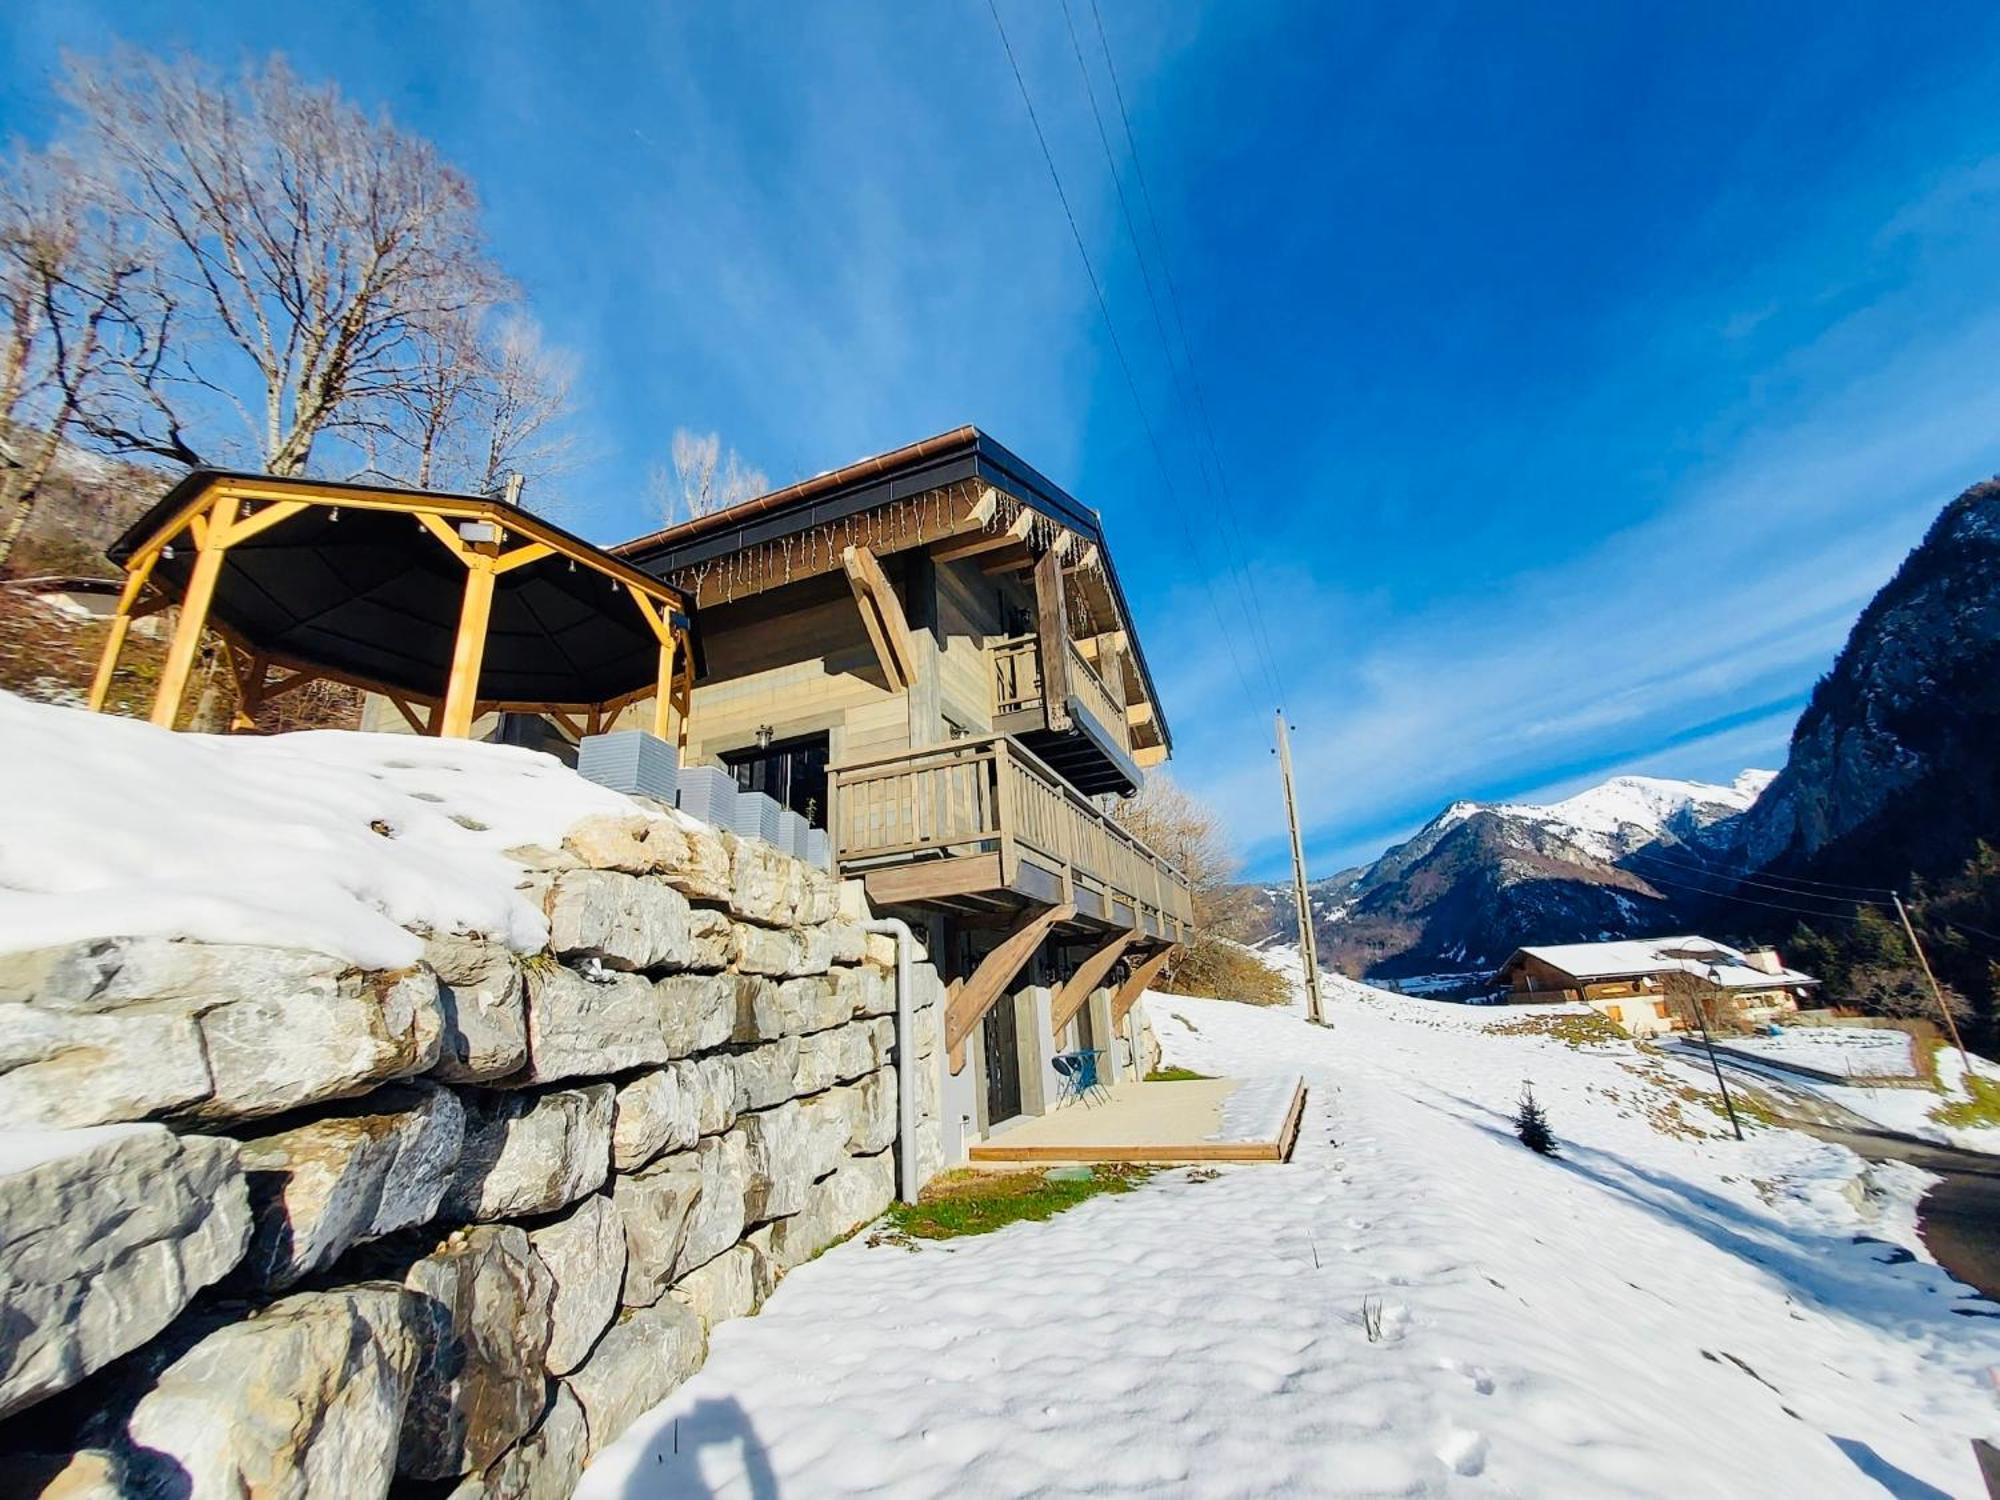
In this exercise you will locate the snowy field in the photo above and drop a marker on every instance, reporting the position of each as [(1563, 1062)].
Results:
[(1845, 1052), (1662, 1311)]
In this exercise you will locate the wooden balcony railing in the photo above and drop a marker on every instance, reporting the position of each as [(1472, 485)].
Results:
[(980, 798), (1017, 684)]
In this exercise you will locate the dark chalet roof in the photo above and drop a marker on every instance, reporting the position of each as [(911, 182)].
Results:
[(964, 453)]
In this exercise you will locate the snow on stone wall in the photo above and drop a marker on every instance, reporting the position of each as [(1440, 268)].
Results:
[(271, 1222)]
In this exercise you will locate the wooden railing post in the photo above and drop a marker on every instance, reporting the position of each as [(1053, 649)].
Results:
[(1003, 802)]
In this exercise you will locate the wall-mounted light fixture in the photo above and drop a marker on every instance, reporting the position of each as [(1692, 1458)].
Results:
[(763, 736)]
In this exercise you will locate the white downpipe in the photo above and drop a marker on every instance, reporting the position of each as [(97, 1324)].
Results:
[(906, 1055)]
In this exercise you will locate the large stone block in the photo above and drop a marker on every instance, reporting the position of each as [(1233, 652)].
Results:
[(759, 884), (632, 844), (859, 1191), (584, 1252), (272, 1028), (764, 1075), (710, 937), (720, 1209), (581, 1026), (724, 1288), (531, 1153), (654, 1207), (697, 1011), (63, 1069), (301, 1400), (711, 1083), (623, 921), (654, 1113), (788, 1148), (544, 1465), (781, 952), (483, 1001), (767, 1009), (379, 1165), (849, 943), (866, 991), (635, 1366), (871, 1113), (818, 895), (481, 1385), (839, 1055), (105, 1234)]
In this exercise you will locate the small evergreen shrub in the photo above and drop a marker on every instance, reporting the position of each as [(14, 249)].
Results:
[(1531, 1124)]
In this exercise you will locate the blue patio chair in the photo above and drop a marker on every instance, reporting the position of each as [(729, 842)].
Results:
[(1079, 1075)]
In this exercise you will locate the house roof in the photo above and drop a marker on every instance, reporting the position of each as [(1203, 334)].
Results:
[(964, 453), (1635, 957)]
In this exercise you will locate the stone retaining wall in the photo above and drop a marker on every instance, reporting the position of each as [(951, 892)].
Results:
[(272, 1225)]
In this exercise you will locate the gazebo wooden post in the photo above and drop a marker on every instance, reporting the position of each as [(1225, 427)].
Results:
[(121, 626), (461, 697), (663, 694), (211, 542)]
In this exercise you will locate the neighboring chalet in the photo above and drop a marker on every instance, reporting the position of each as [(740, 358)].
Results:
[(1627, 981), (928, 654)]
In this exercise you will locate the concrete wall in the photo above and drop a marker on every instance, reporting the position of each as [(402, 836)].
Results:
[(286, 1227)]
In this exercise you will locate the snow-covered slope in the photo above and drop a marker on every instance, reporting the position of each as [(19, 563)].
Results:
[(333, 841), (1661, 1311)]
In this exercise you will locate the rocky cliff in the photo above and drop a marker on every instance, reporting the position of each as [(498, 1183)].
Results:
[(1893, 765)]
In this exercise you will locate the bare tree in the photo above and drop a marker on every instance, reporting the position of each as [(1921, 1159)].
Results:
[(303, 247), (523, 403), (65, 279), (703, 478)]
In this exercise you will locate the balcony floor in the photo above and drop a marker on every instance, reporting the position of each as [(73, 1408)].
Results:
[(1164, 1124)]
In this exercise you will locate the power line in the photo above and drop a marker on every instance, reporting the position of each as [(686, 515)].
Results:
[(1714, 873), (1732, 899), (1246, 597), (1180, 319), (1832, 885), (1111, 328)]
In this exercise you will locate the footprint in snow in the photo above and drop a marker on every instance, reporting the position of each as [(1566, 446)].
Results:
[(1463, 1451), (1480, 1379)]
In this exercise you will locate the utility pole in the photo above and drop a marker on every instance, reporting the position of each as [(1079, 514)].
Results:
[(1308, 943), (1937, 993), (1701, 1020)]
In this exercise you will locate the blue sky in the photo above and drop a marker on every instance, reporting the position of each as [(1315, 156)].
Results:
[(1579, 371)]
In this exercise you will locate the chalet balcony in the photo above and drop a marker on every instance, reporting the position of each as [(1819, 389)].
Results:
[(984, 825), (1072, 719)]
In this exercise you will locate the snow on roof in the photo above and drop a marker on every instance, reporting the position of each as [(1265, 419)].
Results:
[(327, 840), (1690, 953)]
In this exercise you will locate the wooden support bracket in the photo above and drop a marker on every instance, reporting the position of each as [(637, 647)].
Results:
[(882, 616), (972, 998), (1076, 990), (1135, 985)]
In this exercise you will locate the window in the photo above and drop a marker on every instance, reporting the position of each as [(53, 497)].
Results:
[(791, 772)]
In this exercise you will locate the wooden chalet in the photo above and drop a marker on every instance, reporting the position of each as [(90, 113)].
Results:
[(928, 653)]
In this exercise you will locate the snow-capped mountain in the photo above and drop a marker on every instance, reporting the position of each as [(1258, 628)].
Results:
[(1480, 879)]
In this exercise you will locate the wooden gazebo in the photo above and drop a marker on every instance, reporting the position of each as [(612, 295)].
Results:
[(449, 606)]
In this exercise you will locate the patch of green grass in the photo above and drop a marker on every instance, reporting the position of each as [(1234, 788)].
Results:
[(1586, 1029), (1983, 1108), (971, 1202), (1177, 1075)]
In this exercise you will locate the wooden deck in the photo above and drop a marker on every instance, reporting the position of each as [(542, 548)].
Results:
[(982, 825), (1161, 1124)]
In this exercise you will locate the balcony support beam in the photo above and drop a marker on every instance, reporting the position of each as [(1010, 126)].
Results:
[(972, 998), (1143, 974), (1076, 990)]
